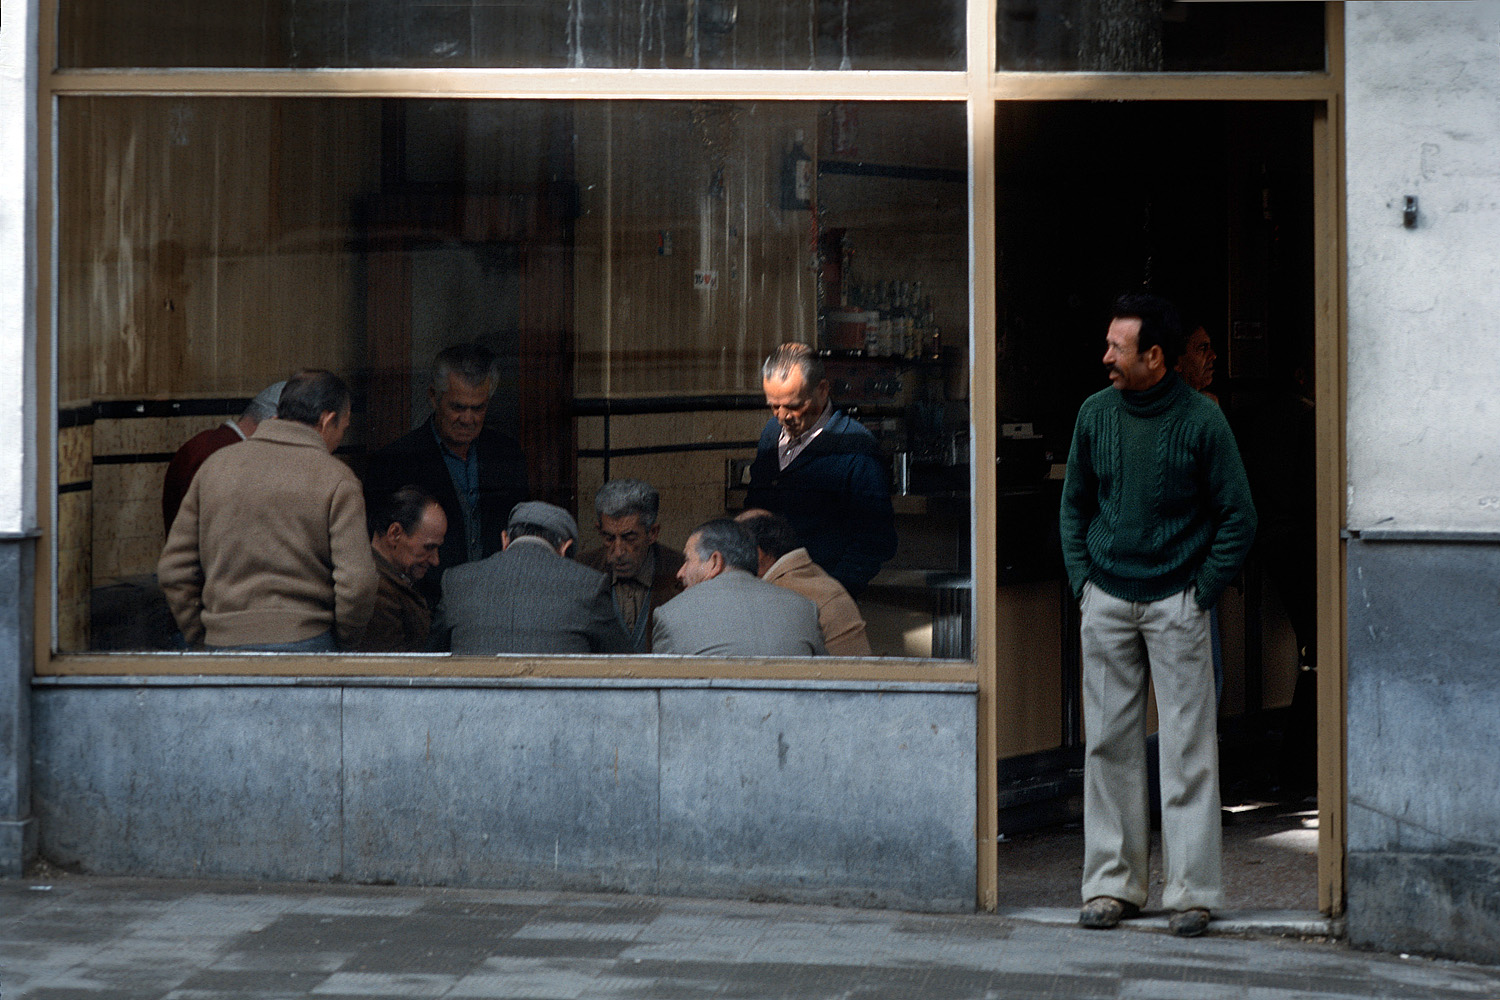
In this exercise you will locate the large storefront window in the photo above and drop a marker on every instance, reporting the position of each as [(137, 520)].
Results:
[(655, 34), (631, 264)]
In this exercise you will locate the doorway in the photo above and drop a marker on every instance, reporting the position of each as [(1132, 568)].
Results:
[(1210, 204)]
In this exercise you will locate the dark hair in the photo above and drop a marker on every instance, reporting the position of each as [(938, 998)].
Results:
[(1161, 326), (520, 529), (787, 357), (730, 540), (771, 533), (404, 507), (311, 393), (474, 364)]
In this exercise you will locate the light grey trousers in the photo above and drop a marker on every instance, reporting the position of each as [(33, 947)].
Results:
[(1124, 644)]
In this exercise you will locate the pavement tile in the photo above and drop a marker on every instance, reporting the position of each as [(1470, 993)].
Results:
[(370, 984), (532, 978)]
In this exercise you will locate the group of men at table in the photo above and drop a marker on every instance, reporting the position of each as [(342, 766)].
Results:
[(274, 544)]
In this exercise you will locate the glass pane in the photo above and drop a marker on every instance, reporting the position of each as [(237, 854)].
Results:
[(630, 265), (1152, 36), (656, 34)]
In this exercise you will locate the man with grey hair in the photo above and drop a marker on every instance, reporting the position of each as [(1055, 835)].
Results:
[(822, 471), (725, 610), (643, 572), (191, 456), (530, 597), (476, 473)]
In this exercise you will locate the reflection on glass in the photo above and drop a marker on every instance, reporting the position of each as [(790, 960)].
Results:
[(628, 265), (653, 34), (1149, 36)]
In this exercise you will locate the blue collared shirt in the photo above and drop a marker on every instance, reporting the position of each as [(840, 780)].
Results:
[(465, 475)]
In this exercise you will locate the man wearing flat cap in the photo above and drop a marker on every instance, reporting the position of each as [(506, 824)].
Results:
[(530, 597)]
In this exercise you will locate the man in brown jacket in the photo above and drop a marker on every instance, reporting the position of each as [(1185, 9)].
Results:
[(270, 550), (642, 571), (406, 535), (786, 563)]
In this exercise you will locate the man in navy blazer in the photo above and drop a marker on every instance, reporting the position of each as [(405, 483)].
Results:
[(475, 473), (726, 610), (822, 471)]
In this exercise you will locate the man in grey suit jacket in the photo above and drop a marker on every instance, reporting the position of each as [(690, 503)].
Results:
[(725, 610), (530, 597)]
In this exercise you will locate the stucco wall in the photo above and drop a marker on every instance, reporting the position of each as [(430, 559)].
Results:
[(1423, 100), (17, 198), (1423, 119)]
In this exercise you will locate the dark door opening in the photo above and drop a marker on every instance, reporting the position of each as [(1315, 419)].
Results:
[(1211, 205)]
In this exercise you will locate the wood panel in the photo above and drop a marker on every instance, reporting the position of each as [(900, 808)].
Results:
[(204, 243)]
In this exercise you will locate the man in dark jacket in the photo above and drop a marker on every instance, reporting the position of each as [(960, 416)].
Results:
[(477, 474), (822, 471)]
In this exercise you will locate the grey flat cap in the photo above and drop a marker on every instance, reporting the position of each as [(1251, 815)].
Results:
[(544, 515)]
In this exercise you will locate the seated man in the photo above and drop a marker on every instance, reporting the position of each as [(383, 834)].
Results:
[(476, 473), (270, 550), (725, 610), (531, 597), (787, 564), (644, 571), (406, 532), (191, 456)]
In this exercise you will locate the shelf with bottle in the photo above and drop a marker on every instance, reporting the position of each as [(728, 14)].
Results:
[(883, 319)]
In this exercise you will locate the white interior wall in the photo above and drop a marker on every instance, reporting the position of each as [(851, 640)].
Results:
[(17, 208), (1423, 119)]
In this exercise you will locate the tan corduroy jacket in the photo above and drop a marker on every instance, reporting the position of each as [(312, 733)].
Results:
[(838, 616), (270, 545)]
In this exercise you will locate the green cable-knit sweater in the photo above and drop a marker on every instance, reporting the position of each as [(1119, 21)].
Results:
[(1156, 497)]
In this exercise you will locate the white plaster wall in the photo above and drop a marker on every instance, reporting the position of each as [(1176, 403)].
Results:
[(17, 201), (1423, 119)]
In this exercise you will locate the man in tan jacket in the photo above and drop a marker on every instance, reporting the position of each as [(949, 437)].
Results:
[(786, 563), (270, 550)]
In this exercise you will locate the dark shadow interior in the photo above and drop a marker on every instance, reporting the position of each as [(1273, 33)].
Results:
[(1209, 204)]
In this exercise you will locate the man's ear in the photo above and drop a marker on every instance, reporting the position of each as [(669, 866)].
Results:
[(394, 533), (715, 564), (651, 534), (504, 540), (563, 551), (1156, 358)]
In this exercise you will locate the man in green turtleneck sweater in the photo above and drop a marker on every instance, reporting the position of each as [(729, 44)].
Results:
[(1156, 519)]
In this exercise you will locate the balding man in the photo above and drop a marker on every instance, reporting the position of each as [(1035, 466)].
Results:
[(822, 471), (406, 535), (270, 550), (725, 610), (784, 562)]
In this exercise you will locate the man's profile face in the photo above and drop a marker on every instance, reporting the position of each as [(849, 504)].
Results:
[(1128, 368), (626, 542), (794, 404), (414, 554), (1196, 366), (693, 570), (458, 412)]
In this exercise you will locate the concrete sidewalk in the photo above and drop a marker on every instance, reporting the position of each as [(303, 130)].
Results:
[(85, 938)]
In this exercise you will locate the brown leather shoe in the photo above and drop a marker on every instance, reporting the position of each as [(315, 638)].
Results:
[(1189, 923), (1103, 912)]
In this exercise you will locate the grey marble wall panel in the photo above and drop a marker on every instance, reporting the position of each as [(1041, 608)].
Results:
[(230, 781), (485, 786), (1423, 773), (862, 798), (17, 832)]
